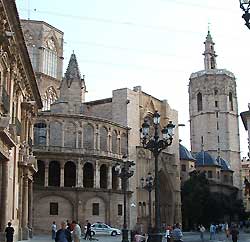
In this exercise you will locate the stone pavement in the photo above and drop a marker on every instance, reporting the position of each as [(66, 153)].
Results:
[(188, 237)]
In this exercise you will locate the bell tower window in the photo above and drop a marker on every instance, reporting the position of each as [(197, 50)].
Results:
[(199, 102), (231, 101)]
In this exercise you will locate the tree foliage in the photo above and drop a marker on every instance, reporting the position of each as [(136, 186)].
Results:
[(199, 205)]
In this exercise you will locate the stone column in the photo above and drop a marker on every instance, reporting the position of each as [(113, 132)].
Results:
[(77, 138), (119, 183), (79, 181), (47, 133), (4, 198), (97, 139), (30, 216), (63, 134), (110, 177), (25, 208), (46, 174), (62, 174), (97, 175)]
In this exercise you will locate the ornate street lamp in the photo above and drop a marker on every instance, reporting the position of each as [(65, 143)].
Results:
[(156, 145), (245, 6), (148, 187), (124, 171)]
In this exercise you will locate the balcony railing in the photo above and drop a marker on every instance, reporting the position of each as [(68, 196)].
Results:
[(59, 149), (5, 99)]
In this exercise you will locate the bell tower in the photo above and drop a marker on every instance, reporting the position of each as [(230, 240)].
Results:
[(213, 111)]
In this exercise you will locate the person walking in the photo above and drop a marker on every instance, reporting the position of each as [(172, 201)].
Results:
[(202, 230), (9, 231), (212, 231), (235, 233), (177, 233), (168, 231), (76, 231), (53, 230), (88, 230), (63, 234)]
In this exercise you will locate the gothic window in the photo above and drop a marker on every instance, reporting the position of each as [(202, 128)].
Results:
[(69, 174), (103, 139), (103, 176), (231, 101), (55, 134), (114, 179), (48, 98), (212, 63), (50, 58), (114, 142), (199, 102), (88, 132), (216, 104), (88, 175), (70, 135), (124, 144), (40, 175), (54, 173), (40, 134)]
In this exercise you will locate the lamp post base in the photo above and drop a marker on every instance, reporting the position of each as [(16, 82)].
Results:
[(125, 235), (154, 237)]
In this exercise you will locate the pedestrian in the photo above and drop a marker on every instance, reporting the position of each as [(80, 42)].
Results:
[(212, 231), (88, 230), (227, 232), (63, 234), (177, 233), (139, 237), (53, 230), (235, 233), (76, 231), (9, 232), (167, 234), (202, 230)]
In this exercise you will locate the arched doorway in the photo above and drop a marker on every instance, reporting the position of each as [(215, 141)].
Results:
[(88, 175), (103, 176), (70, 174)]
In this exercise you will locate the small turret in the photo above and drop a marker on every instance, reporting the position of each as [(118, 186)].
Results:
[(210, 56)]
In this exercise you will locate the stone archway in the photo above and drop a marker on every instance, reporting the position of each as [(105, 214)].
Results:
[(167, 199)]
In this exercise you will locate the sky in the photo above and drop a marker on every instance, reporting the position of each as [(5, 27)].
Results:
[(155, 44)]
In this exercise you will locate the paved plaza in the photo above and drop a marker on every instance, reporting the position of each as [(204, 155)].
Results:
[(188, 237)]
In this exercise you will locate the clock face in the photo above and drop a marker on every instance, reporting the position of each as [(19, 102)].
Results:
[(50, 44)]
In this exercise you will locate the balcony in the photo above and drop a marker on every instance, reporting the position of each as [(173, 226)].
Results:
[(76, 151), (4, 99)]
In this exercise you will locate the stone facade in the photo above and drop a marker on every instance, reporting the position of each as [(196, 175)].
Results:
[(213, 111), (45, 46), (245, 174), (19, 102)]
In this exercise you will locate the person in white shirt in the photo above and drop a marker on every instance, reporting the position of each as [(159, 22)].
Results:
[(53, 230), (202, 230), (76, 231)]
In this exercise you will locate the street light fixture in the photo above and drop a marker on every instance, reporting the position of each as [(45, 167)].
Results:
[(245, 6), (148, 187), (124, 171), (156, 145)]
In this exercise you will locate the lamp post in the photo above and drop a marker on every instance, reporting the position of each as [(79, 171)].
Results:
[(149, 187), (124, 172), (245, 6), (156, 144)]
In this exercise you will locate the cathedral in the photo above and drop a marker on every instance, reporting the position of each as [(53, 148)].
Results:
[(78, 143)]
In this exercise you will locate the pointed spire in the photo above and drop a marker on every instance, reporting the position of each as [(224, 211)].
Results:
[(210, 56), (72, 72)]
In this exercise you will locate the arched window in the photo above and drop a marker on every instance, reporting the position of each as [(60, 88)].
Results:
[(199, 102), (69, 174), (70, 135), (231, 104), (40, 175), (88, 175), (40, 133), (54, 173), (212, 63), (55, 134), (103, 176), (103, 139), (114, 179), (114, 142), (50, 58), (88, 132), (124, 144), (48, 98)]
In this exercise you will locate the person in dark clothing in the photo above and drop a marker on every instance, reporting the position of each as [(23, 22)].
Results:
[(235, 233), (63, 234), (9, 233), (88, 230)]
